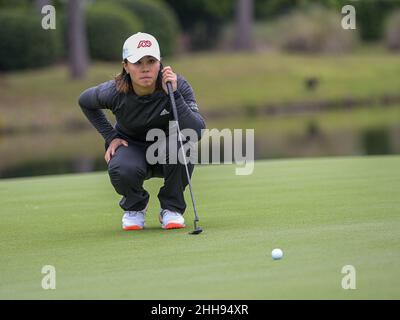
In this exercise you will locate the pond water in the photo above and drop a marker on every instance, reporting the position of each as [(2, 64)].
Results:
[(83, 150)]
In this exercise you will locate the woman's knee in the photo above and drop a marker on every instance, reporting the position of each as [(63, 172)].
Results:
[(127, 171)]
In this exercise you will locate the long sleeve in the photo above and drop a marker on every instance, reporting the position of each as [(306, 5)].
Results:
[(91, 102), (187, 108)]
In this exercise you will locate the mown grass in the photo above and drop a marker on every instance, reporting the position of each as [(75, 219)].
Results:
[(323, 213)]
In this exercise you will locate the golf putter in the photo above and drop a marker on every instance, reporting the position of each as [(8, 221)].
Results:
[(196, 230)]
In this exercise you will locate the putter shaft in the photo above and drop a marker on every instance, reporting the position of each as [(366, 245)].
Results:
[(175, 113)]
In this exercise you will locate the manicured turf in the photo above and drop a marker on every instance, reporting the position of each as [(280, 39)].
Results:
[(323, 213)]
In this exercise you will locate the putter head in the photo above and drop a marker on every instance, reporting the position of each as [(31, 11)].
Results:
[(198, 230)]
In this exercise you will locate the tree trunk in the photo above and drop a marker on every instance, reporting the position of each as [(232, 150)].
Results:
[(243, 22), (78, 58), (39, 4)]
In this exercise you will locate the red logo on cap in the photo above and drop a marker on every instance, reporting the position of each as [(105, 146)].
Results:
[(144, 43)]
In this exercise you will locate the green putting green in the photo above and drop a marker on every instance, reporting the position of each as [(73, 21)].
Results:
[(323, 213)]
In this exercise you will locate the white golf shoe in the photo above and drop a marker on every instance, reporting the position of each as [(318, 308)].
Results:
[(134, 220), (171, 219)]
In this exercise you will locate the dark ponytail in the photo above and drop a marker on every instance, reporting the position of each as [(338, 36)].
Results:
[(123, 81)]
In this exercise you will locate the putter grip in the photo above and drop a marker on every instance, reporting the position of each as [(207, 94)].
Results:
[(172, 98)]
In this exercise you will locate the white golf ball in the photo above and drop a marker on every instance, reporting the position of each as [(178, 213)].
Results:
[(277, 254)]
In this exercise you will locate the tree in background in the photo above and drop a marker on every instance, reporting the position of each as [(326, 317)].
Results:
[(158, 19), (392, 33), (24, 44), (243, 22), (202, 20), (371, 14), (109, 23), (78, 59), (39, 4), (371, 17)]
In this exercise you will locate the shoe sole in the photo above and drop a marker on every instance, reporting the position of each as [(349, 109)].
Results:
[(130, 228), (174, 226)]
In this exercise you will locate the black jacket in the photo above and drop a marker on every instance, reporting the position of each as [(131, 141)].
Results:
[(136, 115)]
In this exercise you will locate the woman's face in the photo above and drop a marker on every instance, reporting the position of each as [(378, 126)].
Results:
[(144, 72)]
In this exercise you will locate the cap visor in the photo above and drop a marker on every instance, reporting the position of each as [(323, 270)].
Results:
[(133, 59)]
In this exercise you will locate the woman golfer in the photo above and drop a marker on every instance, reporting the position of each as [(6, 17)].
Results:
[(138, 97)]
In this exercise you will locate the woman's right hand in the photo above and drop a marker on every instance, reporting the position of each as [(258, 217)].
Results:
[(113, 147)]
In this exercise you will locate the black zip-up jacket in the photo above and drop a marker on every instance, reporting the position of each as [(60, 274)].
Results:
[(136, 115)]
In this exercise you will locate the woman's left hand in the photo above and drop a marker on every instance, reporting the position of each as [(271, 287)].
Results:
[(169, 75)]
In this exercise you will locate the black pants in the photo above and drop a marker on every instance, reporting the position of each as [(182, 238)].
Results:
[(128, 169)]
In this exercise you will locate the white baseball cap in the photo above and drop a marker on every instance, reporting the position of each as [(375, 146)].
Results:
[(139, 45)]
